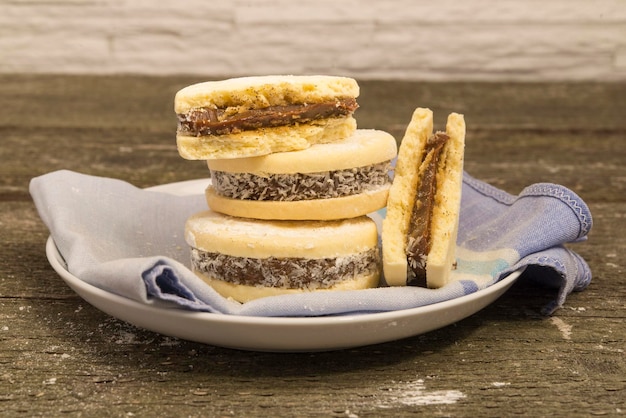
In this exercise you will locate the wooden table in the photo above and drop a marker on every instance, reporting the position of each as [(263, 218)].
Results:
[(61, 356)]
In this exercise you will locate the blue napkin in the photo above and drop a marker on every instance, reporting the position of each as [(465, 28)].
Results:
[(130, 241)]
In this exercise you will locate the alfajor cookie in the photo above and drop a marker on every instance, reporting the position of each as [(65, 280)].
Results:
[(246, 259), (342, 179), (251, 116), (420, 229)]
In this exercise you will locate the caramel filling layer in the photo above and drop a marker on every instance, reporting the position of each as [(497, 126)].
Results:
[(289, 273), (208, 121), (301, 186), (419, 233)]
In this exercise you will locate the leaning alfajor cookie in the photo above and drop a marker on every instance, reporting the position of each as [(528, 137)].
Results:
[(420, 229), (250, 116), (343, 179), (246, 259)]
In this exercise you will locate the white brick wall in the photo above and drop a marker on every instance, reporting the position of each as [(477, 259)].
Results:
[(403, 39)]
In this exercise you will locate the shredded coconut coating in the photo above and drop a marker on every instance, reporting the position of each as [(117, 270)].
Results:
[(301, 186), (289, 273)]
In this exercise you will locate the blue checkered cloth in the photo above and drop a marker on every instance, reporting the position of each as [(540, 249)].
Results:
[(130, 242)]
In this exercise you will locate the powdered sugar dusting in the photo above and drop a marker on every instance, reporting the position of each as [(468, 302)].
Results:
[(563, 327), (414, 393)]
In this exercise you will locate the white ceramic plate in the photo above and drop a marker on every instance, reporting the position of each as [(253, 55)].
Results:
[(277, 334)]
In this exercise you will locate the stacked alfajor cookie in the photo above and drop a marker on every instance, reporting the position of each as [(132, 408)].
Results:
[(292, 182)]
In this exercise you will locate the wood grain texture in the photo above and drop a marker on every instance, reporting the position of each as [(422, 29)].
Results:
[(60, 356)]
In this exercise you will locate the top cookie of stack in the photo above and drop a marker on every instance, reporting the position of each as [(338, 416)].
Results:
[(252, 116), (285, 147)]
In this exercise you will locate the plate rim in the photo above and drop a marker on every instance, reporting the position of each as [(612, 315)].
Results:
[(55, 259)]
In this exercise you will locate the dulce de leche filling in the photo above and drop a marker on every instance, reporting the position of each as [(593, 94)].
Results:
[(301, 186), (288, 273), (210, 121), (419, 233)]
